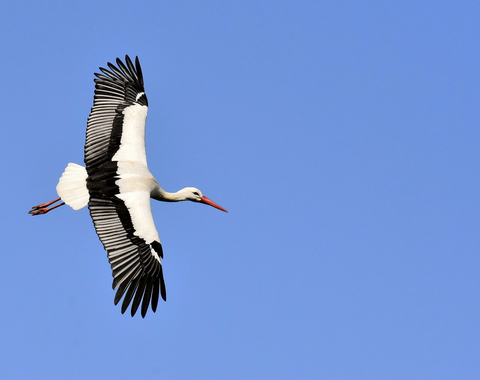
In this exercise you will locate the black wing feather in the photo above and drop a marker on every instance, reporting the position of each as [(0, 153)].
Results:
[(128, 296), (139, 294), (147, 297)]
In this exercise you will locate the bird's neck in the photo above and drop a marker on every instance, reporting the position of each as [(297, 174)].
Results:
[(161, 195)]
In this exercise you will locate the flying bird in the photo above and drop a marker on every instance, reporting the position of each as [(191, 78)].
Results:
[(117, 186)]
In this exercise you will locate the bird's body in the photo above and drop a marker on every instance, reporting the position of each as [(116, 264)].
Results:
[(117, 186)]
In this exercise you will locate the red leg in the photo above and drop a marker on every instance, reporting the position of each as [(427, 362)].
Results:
[(45, 204), (43, 208)]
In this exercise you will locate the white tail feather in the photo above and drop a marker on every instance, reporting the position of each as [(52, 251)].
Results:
[(72, 186)]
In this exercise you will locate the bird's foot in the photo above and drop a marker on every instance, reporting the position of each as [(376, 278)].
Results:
[(43, 208)]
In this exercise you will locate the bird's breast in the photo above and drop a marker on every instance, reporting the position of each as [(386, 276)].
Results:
[(134, 176)]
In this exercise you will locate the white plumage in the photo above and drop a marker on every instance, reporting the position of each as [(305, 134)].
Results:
[(72, 186)]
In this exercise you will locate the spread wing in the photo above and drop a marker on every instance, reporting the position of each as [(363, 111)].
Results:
[(116, 125), (134, 258)]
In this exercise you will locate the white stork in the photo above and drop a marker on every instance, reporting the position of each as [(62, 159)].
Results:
[(117, 186)]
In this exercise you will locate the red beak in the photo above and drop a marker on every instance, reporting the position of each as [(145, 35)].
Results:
[(207, 201)]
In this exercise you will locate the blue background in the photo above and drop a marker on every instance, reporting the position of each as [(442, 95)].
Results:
[(342, 137)]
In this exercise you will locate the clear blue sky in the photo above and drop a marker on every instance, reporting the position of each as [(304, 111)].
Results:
[(342, 136)]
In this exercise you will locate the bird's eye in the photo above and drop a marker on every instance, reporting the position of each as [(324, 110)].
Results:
[(196, 193)]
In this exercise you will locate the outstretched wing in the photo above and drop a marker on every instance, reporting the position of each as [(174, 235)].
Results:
[(124, 224), (121, 213), (116, 125)]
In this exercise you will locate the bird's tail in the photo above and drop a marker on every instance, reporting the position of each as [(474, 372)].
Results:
[(72, 186)]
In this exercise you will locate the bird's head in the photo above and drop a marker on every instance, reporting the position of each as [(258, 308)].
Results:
[(195, 195)]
